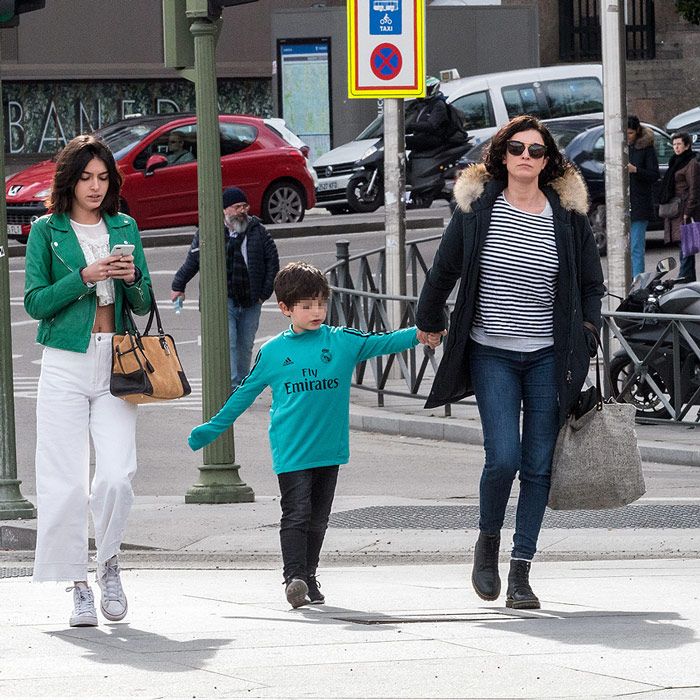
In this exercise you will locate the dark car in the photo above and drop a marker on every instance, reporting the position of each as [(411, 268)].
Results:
[(160, 191), (582, 142)]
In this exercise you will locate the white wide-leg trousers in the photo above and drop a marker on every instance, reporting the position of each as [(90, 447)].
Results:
[(74, 403)]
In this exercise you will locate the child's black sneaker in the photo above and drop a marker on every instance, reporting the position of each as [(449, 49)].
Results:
[(296, 589), (315, 595)]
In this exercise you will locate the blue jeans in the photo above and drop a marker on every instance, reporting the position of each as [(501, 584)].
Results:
[(242, 327), (638, 232), (306, 500), (504, 380), (687, 268)]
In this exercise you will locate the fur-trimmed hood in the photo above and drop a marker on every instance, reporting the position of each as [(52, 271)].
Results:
[(645, 140), (570, 188)]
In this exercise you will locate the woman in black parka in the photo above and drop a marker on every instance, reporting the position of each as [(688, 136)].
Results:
[(521, 247), (643, 169)]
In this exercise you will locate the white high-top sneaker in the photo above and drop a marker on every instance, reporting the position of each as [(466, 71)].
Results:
[(84, 614), (113, 600)]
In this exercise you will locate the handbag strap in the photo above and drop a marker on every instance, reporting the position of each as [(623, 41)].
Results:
[(130, 324), (598, 388)]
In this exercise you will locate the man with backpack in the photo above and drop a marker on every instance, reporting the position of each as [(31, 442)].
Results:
[(429, 121)]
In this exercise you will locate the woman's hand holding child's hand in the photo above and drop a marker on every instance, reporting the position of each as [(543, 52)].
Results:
[(432, 340)]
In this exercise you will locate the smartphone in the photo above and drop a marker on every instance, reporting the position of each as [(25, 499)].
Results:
[(122, 249)]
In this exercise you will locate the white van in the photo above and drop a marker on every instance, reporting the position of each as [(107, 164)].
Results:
[(487, 101)]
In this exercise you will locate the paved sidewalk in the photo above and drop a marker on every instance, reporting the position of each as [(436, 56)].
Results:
[(606, 629)]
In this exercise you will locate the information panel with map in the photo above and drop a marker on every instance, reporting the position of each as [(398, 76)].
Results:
[(304, 87)]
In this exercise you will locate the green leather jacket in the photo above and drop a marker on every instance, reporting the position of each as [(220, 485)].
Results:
[(54, 292)]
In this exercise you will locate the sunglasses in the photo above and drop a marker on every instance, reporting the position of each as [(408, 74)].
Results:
[(517, 148)]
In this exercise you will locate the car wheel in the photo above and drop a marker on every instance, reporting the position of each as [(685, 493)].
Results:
[(22, 239), (640, 393), (596, 217), (283, 203)]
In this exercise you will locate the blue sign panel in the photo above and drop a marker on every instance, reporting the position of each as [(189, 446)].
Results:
[(385, 17)]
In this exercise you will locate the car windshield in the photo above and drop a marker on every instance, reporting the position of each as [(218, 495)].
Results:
[(124, 137), (375, 130)]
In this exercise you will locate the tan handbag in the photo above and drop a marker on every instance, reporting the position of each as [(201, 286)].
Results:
[(146, 368)]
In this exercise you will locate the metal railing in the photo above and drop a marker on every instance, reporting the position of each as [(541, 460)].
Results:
[(358, 300), (638, 378)]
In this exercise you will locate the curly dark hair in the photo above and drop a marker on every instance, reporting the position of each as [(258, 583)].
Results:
[(70, 164), (556, 164)]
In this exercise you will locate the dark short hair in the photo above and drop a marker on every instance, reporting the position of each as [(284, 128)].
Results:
[(683, 136), (634, 124), (497, 150), (70, 165), (300, 280)]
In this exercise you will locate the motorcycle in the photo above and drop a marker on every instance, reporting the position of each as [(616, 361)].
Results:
[(650, 293), (429, 175)]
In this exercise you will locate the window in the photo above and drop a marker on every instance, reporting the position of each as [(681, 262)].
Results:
[(178, 145), (663, 147), (525, 99), (477, 111), (554, 98), (573, 96), (235, 137)]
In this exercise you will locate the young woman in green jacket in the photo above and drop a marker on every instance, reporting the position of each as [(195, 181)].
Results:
[(77, 290)]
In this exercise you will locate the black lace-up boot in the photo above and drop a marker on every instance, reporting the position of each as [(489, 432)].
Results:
[(519, 594), (485, 578)]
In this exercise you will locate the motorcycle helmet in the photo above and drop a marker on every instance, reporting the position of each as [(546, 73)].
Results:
[(432, 85)]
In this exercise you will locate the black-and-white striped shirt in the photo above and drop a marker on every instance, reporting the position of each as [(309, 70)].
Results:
[(518, 280)]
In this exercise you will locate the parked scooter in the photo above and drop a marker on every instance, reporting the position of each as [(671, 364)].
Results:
[(652, 294), (428, 175)]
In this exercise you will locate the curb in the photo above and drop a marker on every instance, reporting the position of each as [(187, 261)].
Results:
[(278, 231), (451, 430)]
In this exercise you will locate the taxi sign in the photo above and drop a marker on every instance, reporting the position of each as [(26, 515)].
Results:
[(386, 48)]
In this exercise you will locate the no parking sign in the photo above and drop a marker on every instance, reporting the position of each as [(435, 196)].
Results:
[(386, 48)]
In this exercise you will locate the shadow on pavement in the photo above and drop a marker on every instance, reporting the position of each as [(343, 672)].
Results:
[(121, 644), (615, 629)]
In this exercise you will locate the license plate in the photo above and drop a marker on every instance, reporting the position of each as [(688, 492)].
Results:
[(325, 185), (14, 230)]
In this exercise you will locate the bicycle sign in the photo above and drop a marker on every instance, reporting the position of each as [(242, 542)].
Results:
[(386, 48), (385, 17)]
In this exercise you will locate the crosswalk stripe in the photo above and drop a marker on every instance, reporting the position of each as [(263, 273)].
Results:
[(26, 388)]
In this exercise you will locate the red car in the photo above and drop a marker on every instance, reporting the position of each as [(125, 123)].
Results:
[(158, 158)]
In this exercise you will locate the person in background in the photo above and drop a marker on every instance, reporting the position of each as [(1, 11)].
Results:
[(177, 153), (682, 179), (427, 120), (252, 262), (522, 331), (77, 290), (643, 169)]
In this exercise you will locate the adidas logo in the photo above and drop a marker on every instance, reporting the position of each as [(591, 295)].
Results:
[(287, 362)]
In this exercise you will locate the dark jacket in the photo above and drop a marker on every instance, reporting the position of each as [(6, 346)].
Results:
[(263, 261), (686, 185), (579, 290), (643, 156)]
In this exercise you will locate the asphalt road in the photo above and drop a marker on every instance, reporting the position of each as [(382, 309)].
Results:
[(408, 467)]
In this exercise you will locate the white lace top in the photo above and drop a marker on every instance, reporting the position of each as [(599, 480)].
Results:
[(94, 240)]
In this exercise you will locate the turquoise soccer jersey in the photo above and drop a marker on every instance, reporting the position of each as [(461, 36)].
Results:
[(310, 375)]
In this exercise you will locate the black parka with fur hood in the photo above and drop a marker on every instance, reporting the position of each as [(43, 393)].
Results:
[(579, 289)]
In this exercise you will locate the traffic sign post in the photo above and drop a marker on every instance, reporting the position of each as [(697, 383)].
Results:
[(386, 60), (386, 48)]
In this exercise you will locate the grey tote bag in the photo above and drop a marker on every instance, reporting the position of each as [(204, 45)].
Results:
[(596, 459)]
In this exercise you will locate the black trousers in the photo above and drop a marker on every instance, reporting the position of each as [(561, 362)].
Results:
[(306, 500)]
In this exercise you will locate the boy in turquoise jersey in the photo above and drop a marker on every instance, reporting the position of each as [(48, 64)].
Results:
[(309, 369)]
